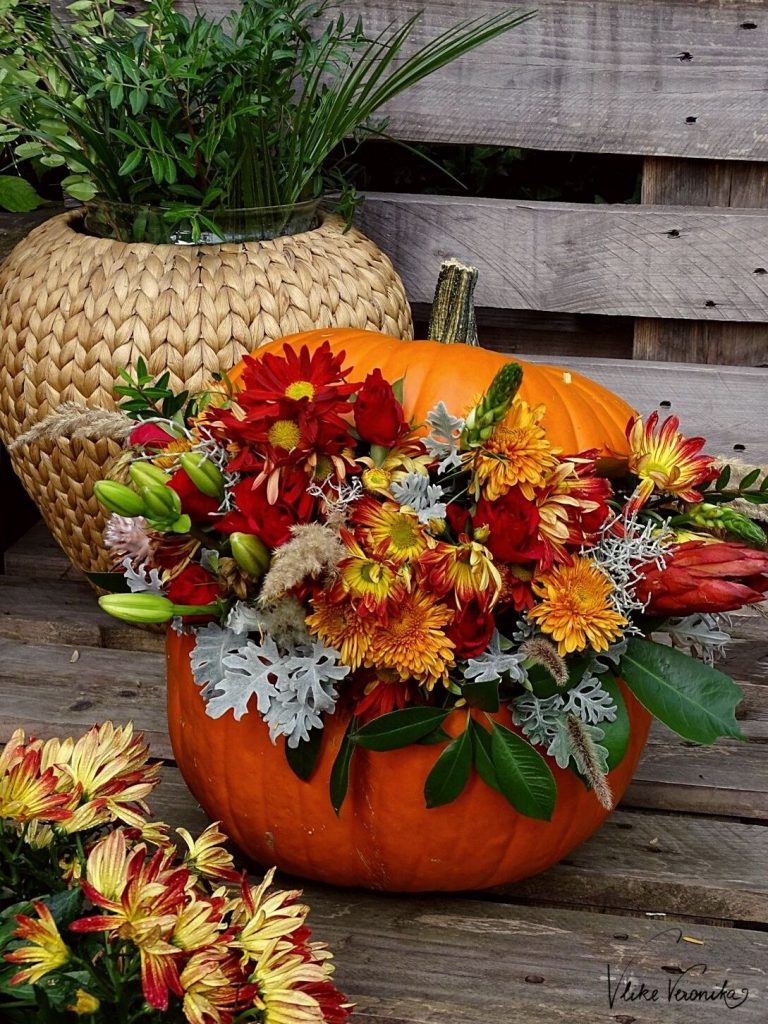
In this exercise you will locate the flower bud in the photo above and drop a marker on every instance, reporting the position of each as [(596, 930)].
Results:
[(204, 474), (250, 553), (144, 474), (162, 503), (119, 498), (142, 609), (138, 608), (492, 407)]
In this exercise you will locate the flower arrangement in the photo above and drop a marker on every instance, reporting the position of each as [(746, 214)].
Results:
[(103, 918), (328, 554)]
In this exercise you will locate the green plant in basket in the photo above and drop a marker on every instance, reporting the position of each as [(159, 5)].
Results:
[(198, 116)]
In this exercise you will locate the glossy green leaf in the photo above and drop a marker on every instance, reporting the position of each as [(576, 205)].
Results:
[(450, 772), (303, 758), (399, 728), (481, 755), (722, 480), (113, 582), (339, 782), (691, 698), (749, 479), (525, 778), (616, 739), (484, 696)]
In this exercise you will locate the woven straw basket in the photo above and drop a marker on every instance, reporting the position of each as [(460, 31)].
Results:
[(74, 309)]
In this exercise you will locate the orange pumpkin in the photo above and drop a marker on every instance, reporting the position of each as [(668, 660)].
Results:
[(384, 837)]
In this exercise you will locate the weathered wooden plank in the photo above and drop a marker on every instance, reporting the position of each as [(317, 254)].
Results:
[(647, 77), (726, 779), (622, 260), (51, 612), (703, 183), (57, 690), (697, 867), (37, 556)]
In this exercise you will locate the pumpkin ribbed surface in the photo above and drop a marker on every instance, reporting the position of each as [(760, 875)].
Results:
[(384, 837)]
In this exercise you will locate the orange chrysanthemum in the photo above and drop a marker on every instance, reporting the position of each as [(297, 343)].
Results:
[(517, 453), (575, 608), (666, 461), (338, 625), (412, 642)]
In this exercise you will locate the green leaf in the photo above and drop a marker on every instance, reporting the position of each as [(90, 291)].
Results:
[(722, 480), (114, 582), (749, 479), (303, 758), (616, 739), (450, 772), (481, 755), (484, 696), (81, 190), (438, 736), (693, 699), (339, 783), (399, 728), (398, 389), (131, 162), (525, 778), (17, 195)]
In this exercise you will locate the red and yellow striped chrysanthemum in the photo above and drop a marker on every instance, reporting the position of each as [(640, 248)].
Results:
[(666, 460)]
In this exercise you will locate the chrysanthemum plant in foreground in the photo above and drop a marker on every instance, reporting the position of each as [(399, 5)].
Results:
[(331, 557), (101, 917)]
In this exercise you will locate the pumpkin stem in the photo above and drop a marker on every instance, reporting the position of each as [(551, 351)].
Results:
[(453, 310)]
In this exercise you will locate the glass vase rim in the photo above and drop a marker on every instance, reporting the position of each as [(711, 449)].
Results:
[(302, 204)]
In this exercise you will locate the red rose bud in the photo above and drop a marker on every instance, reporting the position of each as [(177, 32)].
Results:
[(149, 435), (705, 576), (193, 586), (197, 505), (471, 630), (378, 415)]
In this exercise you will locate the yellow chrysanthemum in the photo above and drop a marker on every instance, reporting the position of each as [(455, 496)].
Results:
[(207, 855), (47, 951), (391, 529), (209, 994), (338, 625), (405, 458), (516, 453), (575, 607), (370, 581), (412, 641)]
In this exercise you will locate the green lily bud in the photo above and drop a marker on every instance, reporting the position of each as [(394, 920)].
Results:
[(144, 474), (250, 553), (492, 407), (204, 474), (139, 608), (162, 503), (150, 608), (119, 498)]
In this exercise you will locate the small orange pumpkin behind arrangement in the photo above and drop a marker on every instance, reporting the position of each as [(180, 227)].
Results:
[(421, 594)]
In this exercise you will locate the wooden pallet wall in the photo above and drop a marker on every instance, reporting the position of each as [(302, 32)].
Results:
[(680, 83)]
